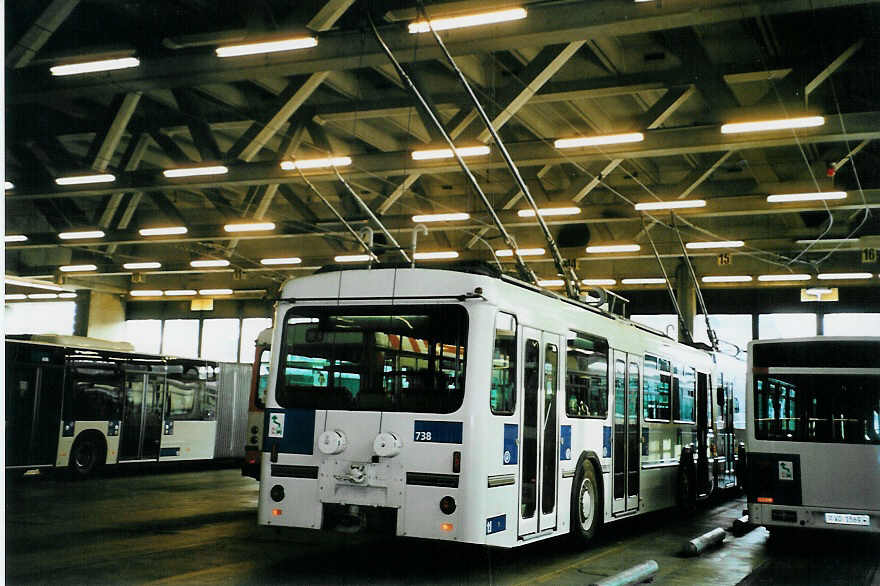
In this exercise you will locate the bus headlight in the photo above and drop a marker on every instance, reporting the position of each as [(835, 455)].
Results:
[(447, 505), (332, 442), (277, 493), (387, 445)]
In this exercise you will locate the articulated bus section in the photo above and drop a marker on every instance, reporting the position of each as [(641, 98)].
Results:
[(453, 406)]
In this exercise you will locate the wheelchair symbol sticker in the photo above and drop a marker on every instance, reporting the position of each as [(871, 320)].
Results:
[(276, 425), (786, 470)]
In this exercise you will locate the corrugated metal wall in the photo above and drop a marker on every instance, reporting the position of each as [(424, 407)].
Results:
[(232, 406)]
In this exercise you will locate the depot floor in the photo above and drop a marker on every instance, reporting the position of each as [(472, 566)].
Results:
[(197, 526)]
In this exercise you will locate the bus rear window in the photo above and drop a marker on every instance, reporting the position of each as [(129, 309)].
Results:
[(403, 358)]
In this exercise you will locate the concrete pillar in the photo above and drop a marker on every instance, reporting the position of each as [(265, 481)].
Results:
[(686, 296), (99, 315)]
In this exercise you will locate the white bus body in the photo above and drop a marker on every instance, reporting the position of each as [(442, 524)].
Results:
[(497, 410), (813, 434)]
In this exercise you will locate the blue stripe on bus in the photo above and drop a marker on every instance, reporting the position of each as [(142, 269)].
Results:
[(511, 453), (164, 452), (297, 429), (606, 441), (565, 442), (496, 524), (438, 432)]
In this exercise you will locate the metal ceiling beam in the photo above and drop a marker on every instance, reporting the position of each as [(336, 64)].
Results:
[(658, 143), (823, 75), (39, 33), (546, 25), (329, 14)]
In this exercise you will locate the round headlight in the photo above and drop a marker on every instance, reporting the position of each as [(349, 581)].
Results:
[(277, 493), (447, 505)]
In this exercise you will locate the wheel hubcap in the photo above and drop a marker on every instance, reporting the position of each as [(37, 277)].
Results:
[(586, 504), (83, 457)]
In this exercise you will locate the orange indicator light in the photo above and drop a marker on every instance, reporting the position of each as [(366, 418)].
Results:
[(446, 527), (276, 512), (765, 499)]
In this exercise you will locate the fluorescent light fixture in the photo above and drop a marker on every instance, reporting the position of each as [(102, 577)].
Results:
[(727, 279), (266, 47), (8, 185), (828, 241), (146, 293), (85, 179), (599, 282), (551, 283), (195, 171), (201, 264), (14, 296), (169, 231), (95, 66), (67, 296), (614, 248), (781, 124), (440, 254), (77, 268), (569, 211), (818, 196), (716, 244), (33, 285), (142, 265), (644, 281), (179, 292), (447, 153), (784, 277), (253, 227), (81, 235), (834, 276), (43, 296), (15, 238), (451, 217), (671, 205), (352, 258), (520, 252), (215, 291), (316, 163), (585, 141), (293, 260), (451, 22)]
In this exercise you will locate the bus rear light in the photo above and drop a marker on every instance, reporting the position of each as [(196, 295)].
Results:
[(456, 462), (447, 527), (767, 500), (447, 505), (276, 512)]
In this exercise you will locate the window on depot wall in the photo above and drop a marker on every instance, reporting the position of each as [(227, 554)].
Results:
[(851, 324), (180, 337), (666, 323), (144, 334), (44, 317), (250, 329), (773, 326), (220, 339), (735, 329)]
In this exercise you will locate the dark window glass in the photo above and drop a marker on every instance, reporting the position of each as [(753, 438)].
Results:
[(586, 376), (548, 490), (657, 381), (684, 388), (502, 394), (531, 380), (839, 408), (97, 390), (817, 354), (403, 358), (263, 378)]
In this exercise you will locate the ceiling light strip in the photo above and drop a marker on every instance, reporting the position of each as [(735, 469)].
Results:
[(453, 22), (671, 205), (266, 47), (94, 66), (586, 141), (779, 124)]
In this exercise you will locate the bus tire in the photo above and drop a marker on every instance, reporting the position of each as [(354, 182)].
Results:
[(87, 454), (586, 504)]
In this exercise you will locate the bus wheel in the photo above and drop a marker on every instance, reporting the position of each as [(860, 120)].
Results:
[(86, 455), (586, 504)]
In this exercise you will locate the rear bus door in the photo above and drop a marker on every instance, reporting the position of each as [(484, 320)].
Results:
[(626, 446)]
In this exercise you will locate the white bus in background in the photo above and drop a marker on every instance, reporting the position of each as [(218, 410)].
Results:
[(257, 404), (813, 434), (81, 403), (464, 407)]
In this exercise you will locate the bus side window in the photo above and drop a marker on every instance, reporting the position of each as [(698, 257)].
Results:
[(656, 382), (97, 389), (586, 376), (502, 394)]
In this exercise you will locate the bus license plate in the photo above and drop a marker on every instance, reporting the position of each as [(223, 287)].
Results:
[(847, 519)]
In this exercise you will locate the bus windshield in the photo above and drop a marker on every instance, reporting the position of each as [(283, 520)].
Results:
[(838, 408), (401, 358)]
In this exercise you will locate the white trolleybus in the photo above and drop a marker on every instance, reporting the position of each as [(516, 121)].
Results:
[(456, 406), (813, 434), (81, 403)]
